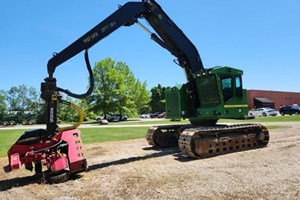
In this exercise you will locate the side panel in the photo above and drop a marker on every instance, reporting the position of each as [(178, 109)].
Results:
[(177, 103), (208, 90), (173, 103), (75, 150), (237, 108)]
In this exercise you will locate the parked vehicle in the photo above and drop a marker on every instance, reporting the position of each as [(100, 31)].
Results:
[(262, 112), (115, 118), (154, 115), (162, 115), (98, 118), (145, 115), (17, 118), (289, 110)]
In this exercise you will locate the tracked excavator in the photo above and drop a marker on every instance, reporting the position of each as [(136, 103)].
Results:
[(207, 96)]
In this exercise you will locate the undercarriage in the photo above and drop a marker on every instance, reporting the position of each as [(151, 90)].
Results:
[(206, 141)]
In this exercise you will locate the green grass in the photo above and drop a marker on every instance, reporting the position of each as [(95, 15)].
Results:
[(94, 135), (138, 122), (276, 127), (8, 138), (286, 118)]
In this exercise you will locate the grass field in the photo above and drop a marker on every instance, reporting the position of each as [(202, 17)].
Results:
[(287, 118), (95, 135)]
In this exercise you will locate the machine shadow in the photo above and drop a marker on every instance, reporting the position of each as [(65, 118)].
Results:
[(27, 180), (159, 153), (19, 182), (176, 153), (181, 158)]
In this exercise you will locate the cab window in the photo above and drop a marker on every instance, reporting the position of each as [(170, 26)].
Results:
[(227, 88), (238, 86)]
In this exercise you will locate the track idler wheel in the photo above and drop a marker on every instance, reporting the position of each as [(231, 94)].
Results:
[(163, 136), (262, 136), (165, 140)]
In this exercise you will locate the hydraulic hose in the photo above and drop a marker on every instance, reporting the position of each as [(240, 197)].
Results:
[(80, 119), (91, 77)]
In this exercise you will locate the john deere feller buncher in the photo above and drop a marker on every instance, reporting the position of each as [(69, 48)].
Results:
[(209, 95)]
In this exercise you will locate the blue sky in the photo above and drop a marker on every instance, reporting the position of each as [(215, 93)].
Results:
[(260, 37)]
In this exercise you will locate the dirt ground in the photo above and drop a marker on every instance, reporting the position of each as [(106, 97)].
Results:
[(134, 170)]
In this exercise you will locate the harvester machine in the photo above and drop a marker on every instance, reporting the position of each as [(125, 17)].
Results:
[(207, 96)]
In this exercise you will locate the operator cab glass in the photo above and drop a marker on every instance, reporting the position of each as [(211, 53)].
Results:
[(231, 86), (227, 88), (238, 86)]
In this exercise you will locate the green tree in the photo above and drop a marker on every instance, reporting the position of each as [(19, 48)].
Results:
[(117, 90), (66, 113), (88, 113), (3, 107), (142, 97), (157, 102), (22, 98)]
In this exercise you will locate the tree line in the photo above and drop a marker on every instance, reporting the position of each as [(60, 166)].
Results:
[(116, 91)]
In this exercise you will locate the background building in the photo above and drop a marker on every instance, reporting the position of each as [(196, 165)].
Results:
[(272, 99)]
